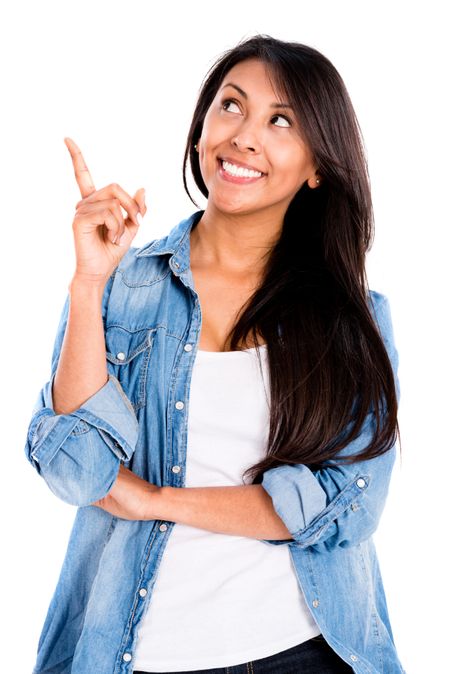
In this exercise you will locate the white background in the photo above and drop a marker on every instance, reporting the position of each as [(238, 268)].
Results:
[(121, 79)]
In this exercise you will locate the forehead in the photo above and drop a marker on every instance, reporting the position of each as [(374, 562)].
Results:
[(252, 75)]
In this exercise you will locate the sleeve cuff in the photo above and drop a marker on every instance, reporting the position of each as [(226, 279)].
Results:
[(301, 503), (108, 410)]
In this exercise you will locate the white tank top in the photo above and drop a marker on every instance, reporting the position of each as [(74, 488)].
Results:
[(222, 600)]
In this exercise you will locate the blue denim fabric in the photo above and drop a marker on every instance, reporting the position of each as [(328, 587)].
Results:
[(152, 320), (310, 657)]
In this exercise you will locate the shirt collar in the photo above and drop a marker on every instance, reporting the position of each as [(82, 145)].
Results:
[(176, 243)]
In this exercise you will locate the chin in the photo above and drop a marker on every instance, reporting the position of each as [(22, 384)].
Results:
[(235, 209), (238, 205)]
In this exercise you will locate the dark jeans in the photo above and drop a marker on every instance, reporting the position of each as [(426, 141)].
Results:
[(314, 656)]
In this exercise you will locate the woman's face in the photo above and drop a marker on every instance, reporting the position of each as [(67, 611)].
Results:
[(246, 127)]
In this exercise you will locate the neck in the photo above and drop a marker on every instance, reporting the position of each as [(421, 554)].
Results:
[(233, 243)]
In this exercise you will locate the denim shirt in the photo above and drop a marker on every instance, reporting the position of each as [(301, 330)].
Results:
[(152, 321)]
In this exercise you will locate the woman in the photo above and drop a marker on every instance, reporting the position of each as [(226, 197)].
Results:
[(278, 475)]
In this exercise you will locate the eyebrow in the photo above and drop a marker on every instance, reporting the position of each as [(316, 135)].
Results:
[(242, 92)]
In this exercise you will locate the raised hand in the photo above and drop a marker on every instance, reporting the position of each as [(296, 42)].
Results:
[(102, 234)]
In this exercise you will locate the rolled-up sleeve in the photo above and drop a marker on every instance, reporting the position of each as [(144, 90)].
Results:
[(338, 504), (79, 454)]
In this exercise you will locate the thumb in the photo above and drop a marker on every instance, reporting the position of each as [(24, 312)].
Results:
[(139, 197)]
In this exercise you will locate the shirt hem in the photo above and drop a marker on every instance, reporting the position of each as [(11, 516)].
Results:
[(226, 661)]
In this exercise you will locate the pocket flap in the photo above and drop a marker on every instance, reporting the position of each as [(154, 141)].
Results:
[(122, 345)]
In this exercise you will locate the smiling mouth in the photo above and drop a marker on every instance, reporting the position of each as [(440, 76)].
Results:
[(240, 173)]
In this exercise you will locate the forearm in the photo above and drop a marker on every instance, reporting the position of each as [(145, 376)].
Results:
[(245, 510), (82, 367)]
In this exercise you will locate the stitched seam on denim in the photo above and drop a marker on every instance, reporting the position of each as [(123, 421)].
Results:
[(38, 423), (108, 536), (311, 575), (102, 424), (170, 423), (142, 284), (122, 394), (84, 428), (146, 343), (48, 440), (136, 601), (129, 625), (123, 363), (341, 503), (142, 388), (373, 612), (145, 328), (146, 348)]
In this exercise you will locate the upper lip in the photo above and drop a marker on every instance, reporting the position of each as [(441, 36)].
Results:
[(239, 163)]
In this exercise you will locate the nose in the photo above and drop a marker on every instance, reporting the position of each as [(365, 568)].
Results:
[(247, 140)]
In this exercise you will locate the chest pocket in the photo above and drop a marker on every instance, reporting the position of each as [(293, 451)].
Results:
[(128, 355)]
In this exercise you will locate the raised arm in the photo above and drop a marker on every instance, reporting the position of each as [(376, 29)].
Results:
[(82, 423), (101, 238)]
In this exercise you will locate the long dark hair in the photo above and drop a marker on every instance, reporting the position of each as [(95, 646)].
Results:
[(328, 363)]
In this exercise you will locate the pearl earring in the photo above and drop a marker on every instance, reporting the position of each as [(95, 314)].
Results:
[(317, 181)]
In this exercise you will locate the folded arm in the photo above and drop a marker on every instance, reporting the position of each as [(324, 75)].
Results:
[(338, 505)]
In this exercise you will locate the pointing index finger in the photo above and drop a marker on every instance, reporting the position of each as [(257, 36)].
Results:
[(82, 175)]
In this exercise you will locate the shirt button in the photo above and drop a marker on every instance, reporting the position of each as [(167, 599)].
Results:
[(361, 483), (176, 264), (353, 657), (188, 347), (176, 469), (179, 405), (315, 603), (163, 527), (354, 506), (127, 657), (121, 356), (142, 592)]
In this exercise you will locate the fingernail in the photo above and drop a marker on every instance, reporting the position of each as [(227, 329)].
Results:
[(122, 240), (139, 218), (115, 238)]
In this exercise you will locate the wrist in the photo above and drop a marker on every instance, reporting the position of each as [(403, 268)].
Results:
[(89, 282), (156, 510), (153, 502)]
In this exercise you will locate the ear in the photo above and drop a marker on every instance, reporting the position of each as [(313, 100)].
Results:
[(314, 181)]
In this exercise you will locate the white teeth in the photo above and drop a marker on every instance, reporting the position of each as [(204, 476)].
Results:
[(240, 171)]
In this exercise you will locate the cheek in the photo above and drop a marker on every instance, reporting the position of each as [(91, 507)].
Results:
[(297, 165)]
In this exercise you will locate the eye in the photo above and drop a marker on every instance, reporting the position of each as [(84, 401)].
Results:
[(286, 119), (231, 101), (226, 102)]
